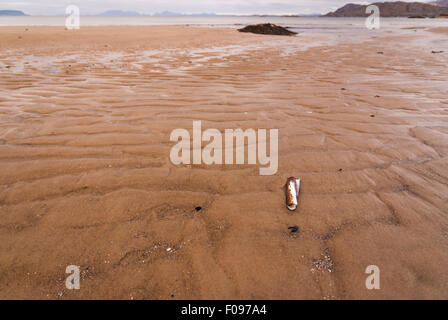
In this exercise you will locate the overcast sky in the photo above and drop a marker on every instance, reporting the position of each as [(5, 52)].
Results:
[(55, 7)]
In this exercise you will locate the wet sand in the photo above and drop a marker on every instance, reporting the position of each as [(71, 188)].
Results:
[(86, 179)]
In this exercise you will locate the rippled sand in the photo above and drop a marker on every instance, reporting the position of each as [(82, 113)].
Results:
[(86, 179)]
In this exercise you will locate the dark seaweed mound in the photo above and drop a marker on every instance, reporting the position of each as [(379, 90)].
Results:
[(267, 28)]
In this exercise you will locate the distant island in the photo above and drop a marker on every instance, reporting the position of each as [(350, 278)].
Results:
[(120, 13), (395, 9), (433, 9), (11, 13), (176, 14)]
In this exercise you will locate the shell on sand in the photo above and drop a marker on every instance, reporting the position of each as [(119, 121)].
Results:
[(292, 189)]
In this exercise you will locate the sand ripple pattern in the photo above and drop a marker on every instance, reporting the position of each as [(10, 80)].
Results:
[(86, 177)]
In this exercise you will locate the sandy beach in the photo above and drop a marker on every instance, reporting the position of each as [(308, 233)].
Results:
[(86, 178)]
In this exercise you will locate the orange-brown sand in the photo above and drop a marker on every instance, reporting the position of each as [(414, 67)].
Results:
[(86, 178)]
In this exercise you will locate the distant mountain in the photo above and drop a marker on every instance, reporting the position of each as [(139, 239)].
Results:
[(393, 9), (442, 2), (167, 14), (202, 14), (120, 13), (176, 14), (310, 15), (11, 13)]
